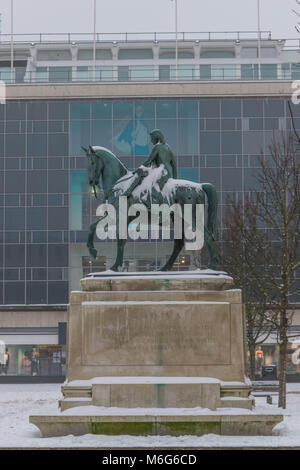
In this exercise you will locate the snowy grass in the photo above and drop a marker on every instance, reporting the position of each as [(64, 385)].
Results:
[(18, 401)]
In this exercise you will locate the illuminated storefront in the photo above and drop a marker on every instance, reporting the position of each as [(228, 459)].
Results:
[(34, 360), (33, 354), (268, 354)]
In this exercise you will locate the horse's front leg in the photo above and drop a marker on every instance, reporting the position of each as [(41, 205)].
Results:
[(90, 241), (120, 253)]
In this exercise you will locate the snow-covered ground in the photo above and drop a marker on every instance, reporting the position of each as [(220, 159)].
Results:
[(17, 402)]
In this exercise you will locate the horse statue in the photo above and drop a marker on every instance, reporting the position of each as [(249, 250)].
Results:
[(110, 176)]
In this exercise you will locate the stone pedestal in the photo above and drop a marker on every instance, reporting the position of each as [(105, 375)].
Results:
[(156, 341), (188, 325)]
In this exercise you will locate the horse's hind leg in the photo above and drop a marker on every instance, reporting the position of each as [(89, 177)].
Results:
[(213, 258), (178, 245)]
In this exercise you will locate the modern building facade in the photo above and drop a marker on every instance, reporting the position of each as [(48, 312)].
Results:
[(218, 109)]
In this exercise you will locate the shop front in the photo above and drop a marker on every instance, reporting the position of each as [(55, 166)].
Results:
[(33, 354), (267, 354), (33, 360)]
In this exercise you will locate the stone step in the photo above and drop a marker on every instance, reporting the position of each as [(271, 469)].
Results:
[(131, 392), (237, 402), (156, 392), (67, 403), (241, 390), (94, 420), (70, 391)]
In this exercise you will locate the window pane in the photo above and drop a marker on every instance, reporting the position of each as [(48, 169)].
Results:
[(188, 136), (209, 143), (253, 142), (231, 108), (205, 72), (57, 181), (14, 218), (101, 110), (80, 135), (144, 109), (104, 73), (37, 145), (269, 71), (231, 142), (166, 109), (58, 292), (78, 188), (223, 72), (102, 133), (125, 54), (57, 255), (36, 292), (41, 74), (36, 111), (164, 73), (82, 74), (188, 109), (221, 54), (37, 218), (15, 111), (37, 181), (295, 72), (79, 110), (57, 144), (60, 74), (58, 110), (122, 110), (36, 255), (249, 72), (14, 292), (185, 72), (15, 145), (141, 73), (232, 179), (15, 256), (123, 73), (190, 174), (253, 108), (273, 107), (57, 218), (210, 108)]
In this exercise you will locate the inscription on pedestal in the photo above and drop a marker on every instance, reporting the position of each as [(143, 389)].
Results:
[(154, 333)]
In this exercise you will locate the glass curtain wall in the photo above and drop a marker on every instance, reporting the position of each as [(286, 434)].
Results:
[(46, 205)]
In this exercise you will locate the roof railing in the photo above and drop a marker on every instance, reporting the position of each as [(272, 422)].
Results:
[(165, 73), (46, 38)]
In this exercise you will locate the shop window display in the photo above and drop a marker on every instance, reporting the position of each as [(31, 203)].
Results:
[(266, 355), (33, 360), (4, 362)]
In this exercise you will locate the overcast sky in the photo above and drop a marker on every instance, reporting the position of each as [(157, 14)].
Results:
[(149, 15)]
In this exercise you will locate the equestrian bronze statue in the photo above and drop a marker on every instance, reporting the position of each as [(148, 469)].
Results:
[(154, 182)]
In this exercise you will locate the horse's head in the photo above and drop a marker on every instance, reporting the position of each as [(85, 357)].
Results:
[(104, 168), (94, 167)]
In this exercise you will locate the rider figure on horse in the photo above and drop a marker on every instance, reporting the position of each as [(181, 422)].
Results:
[(161, 154)]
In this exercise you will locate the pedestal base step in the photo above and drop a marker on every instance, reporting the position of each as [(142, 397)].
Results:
[(156, 392), (128, 422)]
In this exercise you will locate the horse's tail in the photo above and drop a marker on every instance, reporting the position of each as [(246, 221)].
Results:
[(212, 198)]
